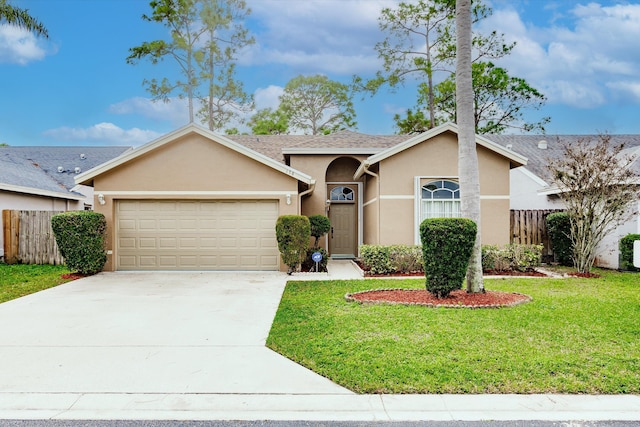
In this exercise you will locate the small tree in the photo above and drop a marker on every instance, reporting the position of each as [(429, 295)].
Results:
[(293, 233), (80, 236), (447, 245), (597, 185), (320, 225)]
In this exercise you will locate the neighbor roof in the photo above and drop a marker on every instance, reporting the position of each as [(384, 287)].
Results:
[(50, 170), (538, 158)]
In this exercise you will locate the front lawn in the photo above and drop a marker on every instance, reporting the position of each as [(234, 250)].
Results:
[(576, 336), (18, 280)]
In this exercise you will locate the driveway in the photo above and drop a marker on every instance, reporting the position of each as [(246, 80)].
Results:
[(151, 333)]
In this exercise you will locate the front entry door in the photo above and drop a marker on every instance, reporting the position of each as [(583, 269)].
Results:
[(344, 225)]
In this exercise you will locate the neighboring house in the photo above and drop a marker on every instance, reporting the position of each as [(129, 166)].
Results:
[(195, 200), (531, 187), (42, 178)]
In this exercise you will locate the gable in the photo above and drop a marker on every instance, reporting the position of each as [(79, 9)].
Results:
[(193, 159), (435, 134)]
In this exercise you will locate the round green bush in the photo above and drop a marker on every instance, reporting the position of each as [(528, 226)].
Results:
[(447, 244), (320, 225), (80, 236)]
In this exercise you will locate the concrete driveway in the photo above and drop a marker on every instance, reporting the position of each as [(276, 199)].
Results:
[(151, 333)]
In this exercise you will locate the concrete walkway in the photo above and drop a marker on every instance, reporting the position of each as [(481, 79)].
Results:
[(190, 346)]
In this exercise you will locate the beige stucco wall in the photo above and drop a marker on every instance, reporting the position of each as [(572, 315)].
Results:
[(341, 167), (10, 200), (438, 158), (371, 208), (192, 167)]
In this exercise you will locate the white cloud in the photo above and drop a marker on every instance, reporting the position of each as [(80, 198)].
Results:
[(577, 60), (175, 110), (268, 97), (103, 133), (330, 36), (19, 46), (626, 89)]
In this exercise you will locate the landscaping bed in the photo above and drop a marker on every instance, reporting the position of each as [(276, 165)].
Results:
[(456, 299)]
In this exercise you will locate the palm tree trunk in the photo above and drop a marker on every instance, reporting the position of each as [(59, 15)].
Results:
[(467, 154)]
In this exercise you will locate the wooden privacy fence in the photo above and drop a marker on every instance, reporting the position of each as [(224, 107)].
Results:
[(529, 227), (28, 238)]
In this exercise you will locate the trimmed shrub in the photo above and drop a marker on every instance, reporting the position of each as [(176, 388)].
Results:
[(310, 265), (626, 252), (493, 258), (376, 258), (559, 227), (320, 225), (511, 257), (80, 236), (293, 233), (379, 259), (406, 259), (447, 244)]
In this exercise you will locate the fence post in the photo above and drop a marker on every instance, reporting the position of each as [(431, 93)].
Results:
[(11, 235)]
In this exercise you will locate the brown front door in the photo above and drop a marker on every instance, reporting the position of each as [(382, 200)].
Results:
[(343, 237)]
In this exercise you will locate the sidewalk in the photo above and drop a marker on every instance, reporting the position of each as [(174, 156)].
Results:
[(317, 407)]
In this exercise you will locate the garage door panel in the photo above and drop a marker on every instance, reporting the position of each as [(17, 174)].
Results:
[(196, 235), (148, 243)]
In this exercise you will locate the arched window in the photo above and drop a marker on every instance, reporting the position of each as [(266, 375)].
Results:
[(341, 194), (440, 199)]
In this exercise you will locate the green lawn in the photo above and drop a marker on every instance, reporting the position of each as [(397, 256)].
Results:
[(576, 336), (18, 280)]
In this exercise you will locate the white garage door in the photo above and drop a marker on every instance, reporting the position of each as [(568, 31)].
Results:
[(196, 235)]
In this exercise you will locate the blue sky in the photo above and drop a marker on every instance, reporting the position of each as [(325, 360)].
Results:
[(77, 89)]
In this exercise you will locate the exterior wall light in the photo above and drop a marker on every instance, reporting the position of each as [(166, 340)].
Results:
[(101, 199), (288, 198)]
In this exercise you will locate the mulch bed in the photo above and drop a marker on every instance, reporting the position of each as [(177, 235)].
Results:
[(73, 276), (457, 299)]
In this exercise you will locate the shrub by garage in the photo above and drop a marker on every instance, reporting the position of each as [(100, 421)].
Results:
[(293, 233), (80, 236)]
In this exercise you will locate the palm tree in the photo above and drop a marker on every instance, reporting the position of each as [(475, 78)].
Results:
[(467, 154), (21, 18)]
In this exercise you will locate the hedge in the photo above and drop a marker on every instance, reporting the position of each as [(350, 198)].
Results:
[(626, 252)]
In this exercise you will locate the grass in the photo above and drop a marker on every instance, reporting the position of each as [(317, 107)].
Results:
[(18, 280), (576, 336)]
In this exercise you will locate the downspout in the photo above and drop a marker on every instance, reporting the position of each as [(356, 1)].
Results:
[(308, 191), (365, 168)]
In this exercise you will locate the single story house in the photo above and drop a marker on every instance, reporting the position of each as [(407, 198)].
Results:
[(196, 200), (42, 178), (532, 188)]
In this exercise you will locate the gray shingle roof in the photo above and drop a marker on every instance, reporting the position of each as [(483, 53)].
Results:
[(37, 167), (538, 159), (273, 145)]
